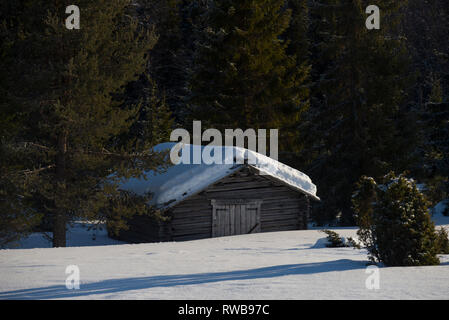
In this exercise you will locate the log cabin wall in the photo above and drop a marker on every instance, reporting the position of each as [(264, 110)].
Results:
[(282, 209)]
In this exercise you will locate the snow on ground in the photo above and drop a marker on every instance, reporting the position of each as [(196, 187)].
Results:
[(437, 213), (80, 234), (278, 265)]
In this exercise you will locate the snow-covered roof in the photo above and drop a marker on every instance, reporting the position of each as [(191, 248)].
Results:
[(182, 180)]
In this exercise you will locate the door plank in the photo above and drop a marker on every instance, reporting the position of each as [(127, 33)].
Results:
[(233, 217), (237, 219), (232, 220), (243, 217)]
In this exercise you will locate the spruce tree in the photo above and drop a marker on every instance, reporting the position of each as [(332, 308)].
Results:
[(66, 89), (298, 46), (436, 148), (17, 218), (170, 59), (244, 75), (394, 221), (430, 54), (357, 123)]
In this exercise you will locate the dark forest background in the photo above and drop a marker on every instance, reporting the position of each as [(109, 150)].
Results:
[(81, 109)]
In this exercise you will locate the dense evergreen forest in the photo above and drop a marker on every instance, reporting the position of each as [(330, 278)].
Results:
[(80, 109)]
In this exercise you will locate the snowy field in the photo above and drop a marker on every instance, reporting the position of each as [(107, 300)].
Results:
[(279, 265)]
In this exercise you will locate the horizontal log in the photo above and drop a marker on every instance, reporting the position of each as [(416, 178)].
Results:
[(192, 237)]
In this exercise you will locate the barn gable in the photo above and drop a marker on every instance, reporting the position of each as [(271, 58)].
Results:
[(181, 181), (242, 202)]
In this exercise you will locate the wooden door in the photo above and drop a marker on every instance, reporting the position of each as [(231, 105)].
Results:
[(232, 217)]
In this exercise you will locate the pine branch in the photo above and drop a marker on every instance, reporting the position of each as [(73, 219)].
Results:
[(28, 172)]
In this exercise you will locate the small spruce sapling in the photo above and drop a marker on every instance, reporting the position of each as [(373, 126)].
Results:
[(442, 241), (394, 221), (334, 239)]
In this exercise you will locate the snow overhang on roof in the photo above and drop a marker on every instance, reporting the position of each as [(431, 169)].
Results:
[(182, 180)]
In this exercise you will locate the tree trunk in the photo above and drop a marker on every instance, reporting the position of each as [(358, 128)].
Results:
[(59, 231), (60, 218)]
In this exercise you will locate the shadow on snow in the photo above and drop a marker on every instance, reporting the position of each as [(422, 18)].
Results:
[(139, 283)]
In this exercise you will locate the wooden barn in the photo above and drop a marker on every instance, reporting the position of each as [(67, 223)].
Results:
[(215, 200)]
